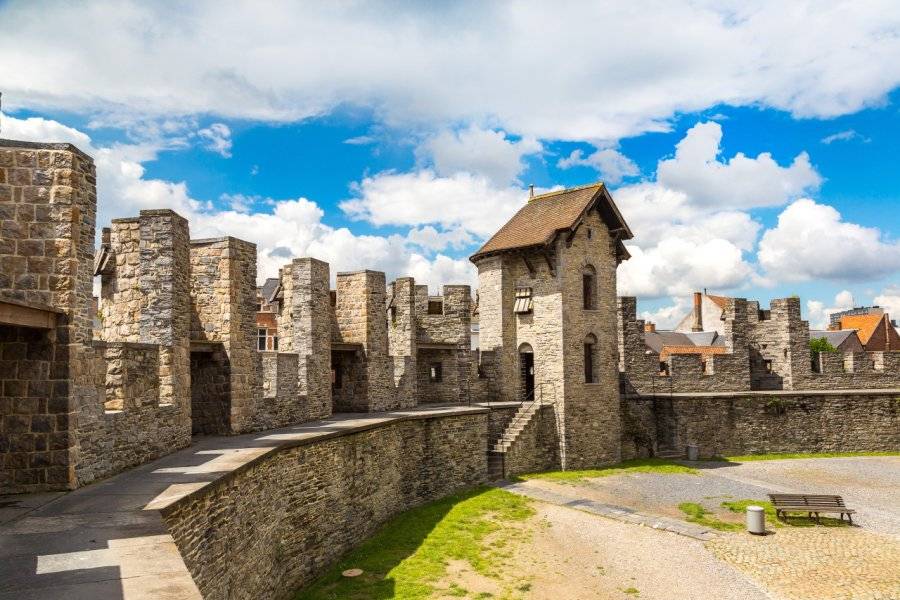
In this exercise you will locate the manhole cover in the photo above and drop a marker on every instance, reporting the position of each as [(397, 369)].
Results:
[(352, 573)]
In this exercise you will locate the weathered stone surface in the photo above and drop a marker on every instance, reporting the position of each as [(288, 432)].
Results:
[(273, 526)]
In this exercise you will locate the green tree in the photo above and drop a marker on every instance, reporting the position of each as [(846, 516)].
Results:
[(821, 345)]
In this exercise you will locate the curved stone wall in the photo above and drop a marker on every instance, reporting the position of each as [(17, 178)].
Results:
[(272, 526)]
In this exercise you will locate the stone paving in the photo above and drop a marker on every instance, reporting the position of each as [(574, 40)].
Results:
[(817, 563)]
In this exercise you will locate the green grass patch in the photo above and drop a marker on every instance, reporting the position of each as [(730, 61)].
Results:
[(696, 513), (632, 591), (640, 465), (409, 554), (791, 455)]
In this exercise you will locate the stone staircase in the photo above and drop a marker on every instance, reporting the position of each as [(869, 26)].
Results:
[(498, 450)]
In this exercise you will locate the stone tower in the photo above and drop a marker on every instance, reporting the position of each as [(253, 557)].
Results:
[(547, 287)]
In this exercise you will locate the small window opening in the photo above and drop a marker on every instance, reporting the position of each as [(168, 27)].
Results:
[(768, 365), (590, 349), (664, 368), (588, 284), (434, 373), (435, 307), (275, 343), (337, 379), (590, 233), (333, 294), (393, 313), (261, 340), (524, 302)]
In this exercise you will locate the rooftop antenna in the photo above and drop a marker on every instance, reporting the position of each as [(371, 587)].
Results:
[(531, 191)]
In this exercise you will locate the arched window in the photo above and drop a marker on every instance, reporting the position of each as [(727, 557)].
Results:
[(588, 286), (590, 358)]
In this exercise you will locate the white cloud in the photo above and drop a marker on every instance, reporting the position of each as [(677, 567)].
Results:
[(612, 165), (811, 241), (845, 136), (818, 315), (430, 238), (461, 200), (667, 317), (217, 138), (293, 228), (428, 63), (738, 182), (889, 300), (482, 152)]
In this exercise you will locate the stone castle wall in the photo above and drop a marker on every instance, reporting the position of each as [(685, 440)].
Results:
[(642, 372), (762, 422), (273, 526), (589, 410), (444, 339), (782, 339), (47, 219)]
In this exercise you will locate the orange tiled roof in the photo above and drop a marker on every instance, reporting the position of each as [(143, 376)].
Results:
[(864, 324), (720, 301), (545, 215), (702, 350)]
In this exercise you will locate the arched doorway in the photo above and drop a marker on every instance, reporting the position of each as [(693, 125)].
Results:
[(526, 372)]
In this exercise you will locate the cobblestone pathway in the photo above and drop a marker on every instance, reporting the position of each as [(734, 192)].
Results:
[(817, 563)]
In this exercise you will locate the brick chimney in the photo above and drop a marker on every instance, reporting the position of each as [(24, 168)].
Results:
[(649, 327), (698, 312)]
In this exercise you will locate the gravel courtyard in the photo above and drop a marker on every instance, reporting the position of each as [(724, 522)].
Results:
[(802, 562)]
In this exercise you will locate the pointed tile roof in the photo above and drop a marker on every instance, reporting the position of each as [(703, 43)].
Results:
[(544, 216)]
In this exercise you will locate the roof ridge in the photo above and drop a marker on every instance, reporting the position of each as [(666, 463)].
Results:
[(597, 184)]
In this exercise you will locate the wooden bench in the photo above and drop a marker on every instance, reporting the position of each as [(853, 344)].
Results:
[(812, 504)]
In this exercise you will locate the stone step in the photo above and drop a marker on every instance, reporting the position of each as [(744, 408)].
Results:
[(668, 453)]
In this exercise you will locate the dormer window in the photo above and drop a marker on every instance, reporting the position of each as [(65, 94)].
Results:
[(524, 302)]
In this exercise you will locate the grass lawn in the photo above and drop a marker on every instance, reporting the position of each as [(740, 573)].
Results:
[(697, 513), (640, 465), (789, 455), (409, 554)]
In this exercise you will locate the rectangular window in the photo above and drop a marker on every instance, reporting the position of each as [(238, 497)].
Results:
[(768, 365), (587, 284), (435, 307), (275, 343), (434, 373), (589, 363), (524, 301), (261, 340)]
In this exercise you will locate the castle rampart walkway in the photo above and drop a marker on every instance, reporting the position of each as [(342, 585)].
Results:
[(109, 539)]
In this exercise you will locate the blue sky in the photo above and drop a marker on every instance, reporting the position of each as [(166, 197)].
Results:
[(764, 168)]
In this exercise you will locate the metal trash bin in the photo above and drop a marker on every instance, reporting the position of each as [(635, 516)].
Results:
[(693, 452), (756, 520)]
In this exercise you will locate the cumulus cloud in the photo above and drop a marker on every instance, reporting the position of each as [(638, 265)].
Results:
[(738, 182), (427, 63), (483, 152), (812, 241), (612, 165), (819, 315), (291, 228), (889, 300), (667, 317), (461, 200), (217, 138)]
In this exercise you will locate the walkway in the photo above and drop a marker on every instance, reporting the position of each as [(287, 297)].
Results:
[(108, 540), (619, 513)]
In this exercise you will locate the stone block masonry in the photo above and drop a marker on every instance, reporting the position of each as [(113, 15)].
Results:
[(310, 312), (47, 217), (274, 525), (724, 424), (223, 304)]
